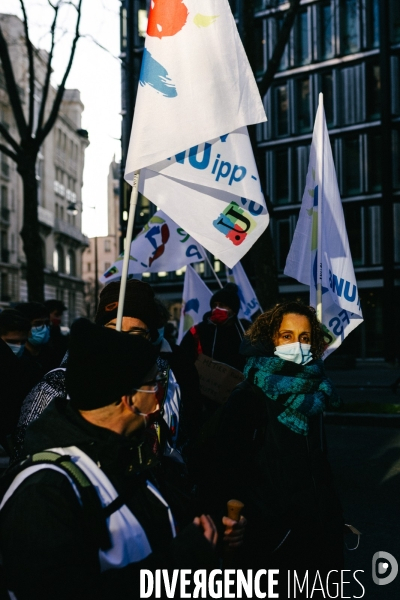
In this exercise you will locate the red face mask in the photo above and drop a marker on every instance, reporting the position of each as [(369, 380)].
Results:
[(56, 321), (219, 315)]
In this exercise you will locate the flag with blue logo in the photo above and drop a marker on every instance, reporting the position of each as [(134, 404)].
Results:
[(195, 302), (196, 96), (161, 246), (325, 256), (248, 299)]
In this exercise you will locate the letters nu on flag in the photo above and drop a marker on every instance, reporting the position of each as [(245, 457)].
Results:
[(161, 246), (195, 302), (341, 309), (196, 96)]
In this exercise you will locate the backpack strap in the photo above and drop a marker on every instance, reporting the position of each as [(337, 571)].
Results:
[(94, 514)]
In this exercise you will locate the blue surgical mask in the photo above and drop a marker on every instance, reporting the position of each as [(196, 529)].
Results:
[(296, 352), (18, 349), (160, 336), (39, 335)]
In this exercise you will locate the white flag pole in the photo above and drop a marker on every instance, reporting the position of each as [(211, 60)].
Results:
[(320, 155), (205, 255), (127, 250)]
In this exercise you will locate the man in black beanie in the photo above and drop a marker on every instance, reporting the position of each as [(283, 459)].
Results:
[(220, 333), (52, 546)]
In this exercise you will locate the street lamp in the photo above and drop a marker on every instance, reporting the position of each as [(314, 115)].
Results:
[(73, 210)]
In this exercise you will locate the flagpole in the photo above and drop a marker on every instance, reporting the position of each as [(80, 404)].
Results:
[(205, 255), (320, 154), (127, 249)]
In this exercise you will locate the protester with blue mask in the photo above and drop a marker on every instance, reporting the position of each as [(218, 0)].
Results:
[(37, 356), (271, 446), (14, 331)]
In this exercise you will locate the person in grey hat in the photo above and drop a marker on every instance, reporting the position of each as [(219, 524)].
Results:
[(52, 545)]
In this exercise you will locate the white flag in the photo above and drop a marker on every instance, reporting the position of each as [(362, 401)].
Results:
[(161, 246), (196, 302), (189, 138), (248, 299), (341, 310)]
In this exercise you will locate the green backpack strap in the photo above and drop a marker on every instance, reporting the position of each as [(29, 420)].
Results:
[(94, 513)]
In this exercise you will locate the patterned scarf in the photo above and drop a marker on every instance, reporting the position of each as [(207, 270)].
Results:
[(304, 391)]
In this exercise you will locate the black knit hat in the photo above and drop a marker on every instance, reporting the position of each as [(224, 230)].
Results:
[(228, 295), (139, 303), (104, 364), (32, 310)]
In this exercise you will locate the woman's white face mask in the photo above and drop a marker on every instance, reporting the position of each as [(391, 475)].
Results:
[(296, 352)]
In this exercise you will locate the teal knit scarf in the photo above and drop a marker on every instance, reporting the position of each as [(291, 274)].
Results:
[(304, 391)]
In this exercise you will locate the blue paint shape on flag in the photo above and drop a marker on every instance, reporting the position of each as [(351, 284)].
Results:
[(192, 304), (154, 74)]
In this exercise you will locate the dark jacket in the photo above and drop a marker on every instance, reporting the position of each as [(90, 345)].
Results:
[(47, 551), (284, 480), (220, 342)]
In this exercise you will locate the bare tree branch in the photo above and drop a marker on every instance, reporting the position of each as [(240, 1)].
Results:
[(48, 71), (60, 92), (12, 88), (9, 152), (31, 64), (4, 132), (279, 49)]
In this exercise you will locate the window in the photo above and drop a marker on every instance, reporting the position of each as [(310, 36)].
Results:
[(353, 96), (350, 26), (58, 259), (373, 23), (259, 46), (374, 162), (394, 12), (355, 232), (302, 54), (283, 234), (326, 23), (396, 221), (303, 104), (373, 85), (395, 158), (107, 265), (282, 109), (374, 235), (282, 176), (351, 168), (107, 245), (70, 267), (302, 156), (328, 92), (89, 267), (284, 64)]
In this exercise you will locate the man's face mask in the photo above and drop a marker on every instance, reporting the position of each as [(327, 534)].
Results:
[(220, 315), (39, 335), (18, 349), (296, 352)]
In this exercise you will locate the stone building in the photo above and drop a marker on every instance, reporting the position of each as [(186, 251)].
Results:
[(59, 174), (103, 250)]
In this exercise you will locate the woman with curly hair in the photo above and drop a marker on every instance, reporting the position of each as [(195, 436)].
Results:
[(271, 445)]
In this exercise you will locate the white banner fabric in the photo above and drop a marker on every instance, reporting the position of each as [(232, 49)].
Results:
[(195, 302)]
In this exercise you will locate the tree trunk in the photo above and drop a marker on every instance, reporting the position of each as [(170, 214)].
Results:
[(32, 242)]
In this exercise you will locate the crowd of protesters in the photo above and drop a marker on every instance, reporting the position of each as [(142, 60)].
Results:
[(119, 462)]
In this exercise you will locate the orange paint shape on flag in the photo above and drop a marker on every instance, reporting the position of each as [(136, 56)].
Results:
[(167, 18)]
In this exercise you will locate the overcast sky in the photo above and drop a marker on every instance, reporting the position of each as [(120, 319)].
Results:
[(96, 73)]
